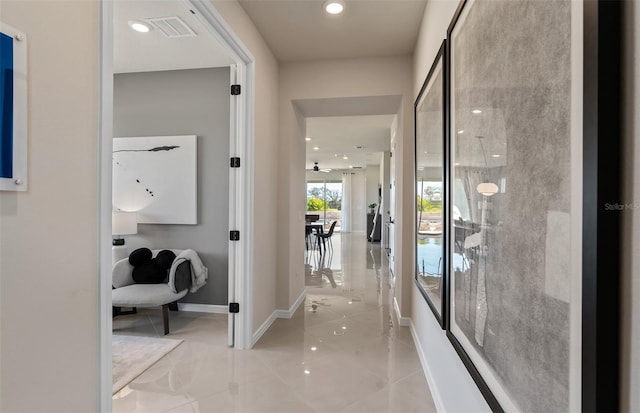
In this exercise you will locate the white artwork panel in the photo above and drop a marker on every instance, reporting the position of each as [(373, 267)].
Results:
[(157, 178)]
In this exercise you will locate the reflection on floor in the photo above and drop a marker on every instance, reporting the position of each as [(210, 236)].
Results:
[(341, 352)]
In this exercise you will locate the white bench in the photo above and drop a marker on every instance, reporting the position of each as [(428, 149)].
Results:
[(126, 293)]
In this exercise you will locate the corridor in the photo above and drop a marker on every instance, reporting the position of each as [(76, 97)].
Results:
[(343, 351)]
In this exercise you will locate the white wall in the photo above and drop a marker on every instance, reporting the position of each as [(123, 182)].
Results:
[(384, 179), (392, 200), (265, 149), (332, 79), (373, 180), (291, 204), (451, 385), (359, 198), (48, 235), (631, 217)]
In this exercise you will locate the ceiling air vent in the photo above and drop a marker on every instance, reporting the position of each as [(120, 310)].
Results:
[(172, 27)]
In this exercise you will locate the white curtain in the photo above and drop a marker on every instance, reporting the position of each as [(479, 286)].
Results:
[(347, 201)]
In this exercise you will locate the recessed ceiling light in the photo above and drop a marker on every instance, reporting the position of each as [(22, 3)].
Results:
[(487, 188), (351, 166), (495, 156), (345, 157), (139, 26), (333, 6), (476, 111), (307, 139), (315, 148), (461, 131)]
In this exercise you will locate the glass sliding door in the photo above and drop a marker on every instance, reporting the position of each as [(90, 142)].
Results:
[(324, 198)]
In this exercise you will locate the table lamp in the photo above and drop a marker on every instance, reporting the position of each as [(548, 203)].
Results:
[(122, 223)]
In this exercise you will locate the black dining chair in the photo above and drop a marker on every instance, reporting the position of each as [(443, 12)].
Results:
[(326, 236)]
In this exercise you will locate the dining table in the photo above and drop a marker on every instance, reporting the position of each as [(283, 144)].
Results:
[(318, 227)]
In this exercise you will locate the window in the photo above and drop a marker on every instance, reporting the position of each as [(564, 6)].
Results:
[(325, 198)]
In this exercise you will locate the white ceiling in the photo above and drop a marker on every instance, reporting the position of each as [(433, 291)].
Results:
[(147, 52), (300, 29), (339, 125), (341, 135), (295, 30)]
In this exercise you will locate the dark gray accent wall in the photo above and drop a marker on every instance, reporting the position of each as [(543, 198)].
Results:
[(185, 102)]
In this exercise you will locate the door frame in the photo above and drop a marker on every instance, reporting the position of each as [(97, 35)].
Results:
[(241, 203)]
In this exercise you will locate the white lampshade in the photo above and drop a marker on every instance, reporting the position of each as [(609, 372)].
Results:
[(124, 223), (487, 188)]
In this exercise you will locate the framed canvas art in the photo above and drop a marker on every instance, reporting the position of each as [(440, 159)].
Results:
[(533, 159), (157, 178)]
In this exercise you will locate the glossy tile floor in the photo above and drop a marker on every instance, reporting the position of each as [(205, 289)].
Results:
[(342, 352)]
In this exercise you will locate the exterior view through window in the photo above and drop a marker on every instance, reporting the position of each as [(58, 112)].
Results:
[(324, 198), (429, 251)]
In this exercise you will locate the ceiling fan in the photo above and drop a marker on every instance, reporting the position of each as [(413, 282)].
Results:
[(316, 168)]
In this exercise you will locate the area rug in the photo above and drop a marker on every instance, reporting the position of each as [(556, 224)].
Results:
[(132, 355)]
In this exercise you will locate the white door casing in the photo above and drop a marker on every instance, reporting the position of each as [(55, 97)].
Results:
[(240, 179)]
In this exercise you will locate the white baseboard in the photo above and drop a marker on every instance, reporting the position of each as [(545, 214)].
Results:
[(403, 321), (263, 328), (275, 315), (203, 308), (435, 394), (294, 307)]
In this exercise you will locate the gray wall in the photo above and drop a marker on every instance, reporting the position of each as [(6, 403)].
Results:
[(185, 102)]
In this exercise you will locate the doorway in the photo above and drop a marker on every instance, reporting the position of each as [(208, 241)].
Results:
[(241, 72)]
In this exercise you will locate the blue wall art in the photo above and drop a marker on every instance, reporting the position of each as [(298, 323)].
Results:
[(13, 109)]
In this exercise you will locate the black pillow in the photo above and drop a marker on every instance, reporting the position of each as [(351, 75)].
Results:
[(165, 259), (149, 273), (140, 256)]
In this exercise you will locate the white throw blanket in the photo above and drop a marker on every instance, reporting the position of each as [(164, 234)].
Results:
[(199, 273)]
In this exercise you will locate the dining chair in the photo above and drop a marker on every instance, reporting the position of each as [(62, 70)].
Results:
[(326, 236)]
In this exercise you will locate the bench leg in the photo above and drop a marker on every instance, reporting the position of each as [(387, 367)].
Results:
[(116, 311), (165, 318)]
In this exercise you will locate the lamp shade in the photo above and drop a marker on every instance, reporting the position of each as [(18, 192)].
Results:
[(487, 188), (124, 223)]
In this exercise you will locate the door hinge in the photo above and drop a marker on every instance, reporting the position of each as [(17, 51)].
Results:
[(235, 162), (235, 90), (234, 308), (234, 235)]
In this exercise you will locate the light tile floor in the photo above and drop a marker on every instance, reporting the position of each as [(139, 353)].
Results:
[(342, 352)]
